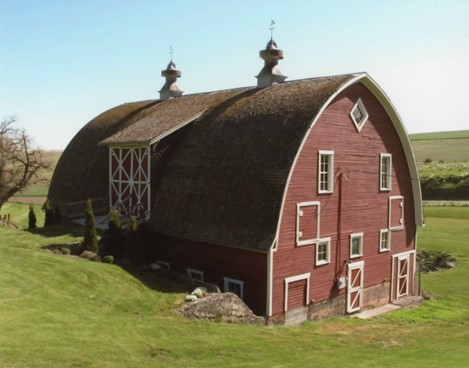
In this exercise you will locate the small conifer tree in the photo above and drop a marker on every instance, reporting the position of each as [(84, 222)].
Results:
[(90, 239), (115, 239), (31, 218), (49, 214)]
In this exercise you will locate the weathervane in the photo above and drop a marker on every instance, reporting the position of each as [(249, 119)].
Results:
[(171, 51), (271, 29)]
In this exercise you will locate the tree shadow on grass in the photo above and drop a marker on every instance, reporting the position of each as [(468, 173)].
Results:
[(58, 230), (163, 281)]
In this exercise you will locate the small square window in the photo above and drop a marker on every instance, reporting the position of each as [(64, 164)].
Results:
[(385, 171), (323, 251), (356, 245), (326, 172), (234, 286), (384, 240), (195, 274), (359, 114)]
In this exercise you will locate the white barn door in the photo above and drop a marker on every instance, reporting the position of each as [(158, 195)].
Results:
[(355, 287), (129, 180)]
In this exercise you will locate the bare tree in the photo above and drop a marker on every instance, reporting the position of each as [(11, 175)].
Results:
[(20, 160)]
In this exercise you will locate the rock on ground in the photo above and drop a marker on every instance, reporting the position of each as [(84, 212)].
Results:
[(222, 307)]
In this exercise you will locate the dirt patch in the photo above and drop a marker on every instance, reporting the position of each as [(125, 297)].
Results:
[(220, 307)]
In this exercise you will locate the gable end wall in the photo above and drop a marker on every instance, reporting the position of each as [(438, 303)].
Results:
[(364, 208)]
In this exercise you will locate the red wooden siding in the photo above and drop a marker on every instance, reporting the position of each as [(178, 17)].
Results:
[(296, 294), (216, 262), (363, 207)]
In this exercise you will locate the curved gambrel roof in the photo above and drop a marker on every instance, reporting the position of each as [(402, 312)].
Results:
[(224, 182), (83, 169), (384, 100)]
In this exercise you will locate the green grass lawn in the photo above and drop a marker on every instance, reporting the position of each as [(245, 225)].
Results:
[(58, 311)]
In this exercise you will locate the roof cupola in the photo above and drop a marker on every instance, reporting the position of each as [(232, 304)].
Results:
[(270, 73), (170, 89)]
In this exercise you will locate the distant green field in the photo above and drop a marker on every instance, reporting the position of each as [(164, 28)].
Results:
[(443, 163), (457, 134), (445, 150)]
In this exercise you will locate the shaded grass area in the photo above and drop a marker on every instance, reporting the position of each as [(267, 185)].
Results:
[(58, 311)]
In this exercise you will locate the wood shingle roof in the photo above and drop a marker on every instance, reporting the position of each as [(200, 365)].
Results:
[(224, 182)]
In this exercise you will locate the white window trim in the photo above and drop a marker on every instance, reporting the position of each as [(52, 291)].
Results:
[(381, 249), (359, 105), (328, 251), (401, 226), (289, 280), (299, 213), (330, 173), (388, 174), (353, 236), (227, 281), (192, 271)]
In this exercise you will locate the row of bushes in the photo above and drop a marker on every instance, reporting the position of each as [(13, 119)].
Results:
[(116, 242), (448, 187)]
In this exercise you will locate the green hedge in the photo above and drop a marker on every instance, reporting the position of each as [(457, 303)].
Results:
[(445, 187)]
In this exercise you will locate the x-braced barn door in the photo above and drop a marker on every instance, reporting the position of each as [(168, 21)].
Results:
[(129, 180), (355, 286), (403, 268)]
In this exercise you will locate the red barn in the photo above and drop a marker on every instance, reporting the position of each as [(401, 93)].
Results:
[(302, 197)]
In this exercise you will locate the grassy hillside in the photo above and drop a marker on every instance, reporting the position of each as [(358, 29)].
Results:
[(58, 311)]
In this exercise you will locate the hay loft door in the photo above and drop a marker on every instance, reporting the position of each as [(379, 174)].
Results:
[(129, 180)]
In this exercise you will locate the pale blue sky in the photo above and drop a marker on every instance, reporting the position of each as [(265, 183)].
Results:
[(64, 62)]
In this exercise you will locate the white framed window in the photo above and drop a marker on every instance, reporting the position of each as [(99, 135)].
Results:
[(356, 245), (385, 171), (233, 286), (396, 213), (307, 223), (195, 274), (359, 114), (384, 240), (326, 172), (323, 251)]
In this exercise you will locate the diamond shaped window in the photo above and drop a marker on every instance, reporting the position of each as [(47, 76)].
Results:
[(359, 114)]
